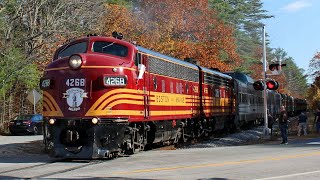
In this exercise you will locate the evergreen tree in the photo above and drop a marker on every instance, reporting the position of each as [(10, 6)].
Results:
[(296, 81), (246, 16)]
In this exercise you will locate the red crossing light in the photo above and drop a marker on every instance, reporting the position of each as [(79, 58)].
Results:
[(272, 84), (273, 67), (276, 66), (258, 85)]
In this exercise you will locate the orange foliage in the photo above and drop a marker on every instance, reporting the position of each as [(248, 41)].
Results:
[(47, 50), (317, 56), (182, 29)]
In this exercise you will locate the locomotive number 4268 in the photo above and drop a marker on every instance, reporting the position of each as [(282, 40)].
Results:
[(115, 81), (76, 82)]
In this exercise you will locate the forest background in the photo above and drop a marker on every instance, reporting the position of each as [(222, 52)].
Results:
[(223, 34)]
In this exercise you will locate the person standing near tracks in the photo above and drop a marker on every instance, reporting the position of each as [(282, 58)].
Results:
[(283, 124), (270, 121), (302, 120), (317, 120)]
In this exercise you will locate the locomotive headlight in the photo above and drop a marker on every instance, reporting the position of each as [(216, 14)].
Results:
[(52, 121), (75, 61), (94, 120)]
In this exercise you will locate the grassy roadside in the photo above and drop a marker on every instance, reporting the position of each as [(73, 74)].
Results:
[(4, 128)]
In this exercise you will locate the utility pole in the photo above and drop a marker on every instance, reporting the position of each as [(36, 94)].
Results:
[(265, 129), (4, 103)]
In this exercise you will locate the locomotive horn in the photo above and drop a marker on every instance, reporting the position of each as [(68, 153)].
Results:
[(117, 35)]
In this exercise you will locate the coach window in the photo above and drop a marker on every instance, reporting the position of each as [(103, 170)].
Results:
[(243, 98), (246, 98), (217, 93)]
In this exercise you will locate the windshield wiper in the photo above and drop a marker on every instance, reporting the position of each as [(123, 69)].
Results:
[(102, 49)]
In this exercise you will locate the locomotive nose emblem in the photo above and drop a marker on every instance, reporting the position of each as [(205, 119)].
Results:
[(74, 98)]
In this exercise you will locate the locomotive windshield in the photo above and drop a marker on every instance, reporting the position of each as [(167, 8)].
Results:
[(110, 48), (73, 49)]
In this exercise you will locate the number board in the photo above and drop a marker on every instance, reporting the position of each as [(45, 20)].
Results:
[(76, 82), (46, 84), (115, 80)]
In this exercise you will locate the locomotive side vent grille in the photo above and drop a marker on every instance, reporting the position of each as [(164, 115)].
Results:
[(159, 66), (216, 80)]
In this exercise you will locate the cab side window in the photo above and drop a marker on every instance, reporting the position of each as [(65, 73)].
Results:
[(137, 60)]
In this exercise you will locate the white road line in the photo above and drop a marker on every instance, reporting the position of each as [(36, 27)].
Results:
[(314, 142), (290, 175)]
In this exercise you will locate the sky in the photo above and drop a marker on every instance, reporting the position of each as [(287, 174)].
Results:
[(294, 28)]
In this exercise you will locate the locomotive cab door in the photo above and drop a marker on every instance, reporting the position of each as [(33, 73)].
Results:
[(143, 81)]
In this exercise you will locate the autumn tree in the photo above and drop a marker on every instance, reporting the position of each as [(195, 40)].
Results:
[(314, 66), (182, 29), (246, 16), (292, 79), (313, 94), (30, 31)]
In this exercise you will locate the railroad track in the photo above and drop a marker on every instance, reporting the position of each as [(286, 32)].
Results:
[(61, 166), (48, 169)]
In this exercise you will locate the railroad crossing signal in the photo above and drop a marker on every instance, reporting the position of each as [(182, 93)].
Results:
[(258, 85), (270, 84), (276, 66)]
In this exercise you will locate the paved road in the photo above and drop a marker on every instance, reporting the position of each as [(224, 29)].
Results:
[(18, 139), (298, 160)]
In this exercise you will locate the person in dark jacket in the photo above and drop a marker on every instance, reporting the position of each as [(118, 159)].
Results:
[(317, 119), (283, 124), (302, 123)]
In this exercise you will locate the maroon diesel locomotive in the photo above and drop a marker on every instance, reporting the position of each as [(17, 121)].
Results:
[(103, 96)]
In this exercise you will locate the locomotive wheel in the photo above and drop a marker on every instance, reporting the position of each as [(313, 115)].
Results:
[(180, 136), (35, 130), (135, 143), (128, 148), (48, 146)]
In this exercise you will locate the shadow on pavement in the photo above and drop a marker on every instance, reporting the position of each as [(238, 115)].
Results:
[(116, 178), (29, 152)]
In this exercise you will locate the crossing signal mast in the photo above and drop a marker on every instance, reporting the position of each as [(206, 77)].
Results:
[(267, 83)]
